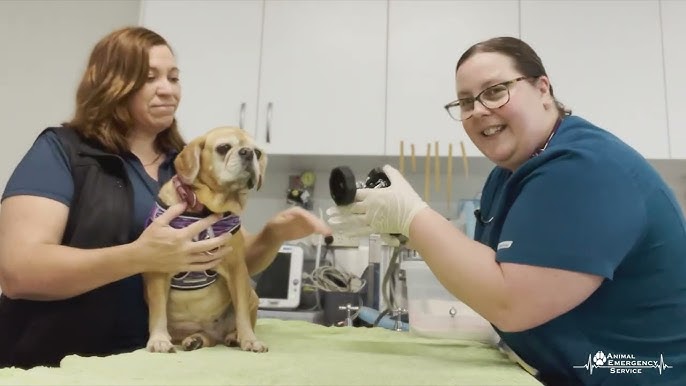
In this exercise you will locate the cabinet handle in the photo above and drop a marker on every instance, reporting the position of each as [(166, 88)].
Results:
[(269, 121), (241, 120)]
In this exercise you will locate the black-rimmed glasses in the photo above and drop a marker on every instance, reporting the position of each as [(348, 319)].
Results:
[(492, 97)]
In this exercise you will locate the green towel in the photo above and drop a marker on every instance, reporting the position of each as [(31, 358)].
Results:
[(300, 353)]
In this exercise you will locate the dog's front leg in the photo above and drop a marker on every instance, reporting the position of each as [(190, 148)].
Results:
[(239, 286), (157, 295)]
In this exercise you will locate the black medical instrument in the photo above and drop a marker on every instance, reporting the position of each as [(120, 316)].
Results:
[(343, 186)]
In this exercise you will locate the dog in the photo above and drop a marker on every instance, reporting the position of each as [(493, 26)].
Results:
[(214, 174)]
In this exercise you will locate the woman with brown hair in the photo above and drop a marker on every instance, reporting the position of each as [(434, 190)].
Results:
[(579, 257), (72, 236)]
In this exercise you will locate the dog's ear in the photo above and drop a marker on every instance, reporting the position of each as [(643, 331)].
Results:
[(187, 163), (259, 182), (263, 168)]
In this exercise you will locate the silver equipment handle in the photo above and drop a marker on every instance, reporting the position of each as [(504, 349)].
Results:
[(269, 121), (241, 121)]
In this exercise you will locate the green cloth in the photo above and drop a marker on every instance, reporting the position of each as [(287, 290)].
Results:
[(300, 353)]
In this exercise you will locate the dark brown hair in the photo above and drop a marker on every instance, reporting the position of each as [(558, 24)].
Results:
[(525, 60), (118, 67)]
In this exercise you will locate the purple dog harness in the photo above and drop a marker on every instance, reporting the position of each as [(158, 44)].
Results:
[(200, 279)]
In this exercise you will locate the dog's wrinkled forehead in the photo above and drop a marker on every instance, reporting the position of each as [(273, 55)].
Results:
[(236, 138)]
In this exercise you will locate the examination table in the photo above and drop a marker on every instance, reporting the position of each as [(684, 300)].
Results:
[(300, 353)]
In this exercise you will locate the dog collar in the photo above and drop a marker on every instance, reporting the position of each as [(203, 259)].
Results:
[(229, 222), (187, 194)]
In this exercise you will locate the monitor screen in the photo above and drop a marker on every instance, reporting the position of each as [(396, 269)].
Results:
[(273, 281)]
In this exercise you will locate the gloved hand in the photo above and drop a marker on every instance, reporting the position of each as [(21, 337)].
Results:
[(384, 210)]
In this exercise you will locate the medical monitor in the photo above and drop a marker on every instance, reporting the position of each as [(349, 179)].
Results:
[(278, 286)]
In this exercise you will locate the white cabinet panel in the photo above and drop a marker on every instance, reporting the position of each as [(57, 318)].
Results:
[(323, 75), (604, 59), (674, 35), (217, 47), (426, 38)]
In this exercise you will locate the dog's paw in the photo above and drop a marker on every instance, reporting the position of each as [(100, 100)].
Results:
[(160, 345), (231, 339), (192, 342), (254, 346)]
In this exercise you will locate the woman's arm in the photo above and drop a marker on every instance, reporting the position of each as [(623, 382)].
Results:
[(514, 297), (291, 224), (261, 249), (33, 264)]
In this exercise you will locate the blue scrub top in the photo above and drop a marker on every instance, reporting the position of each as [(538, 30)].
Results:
[(589, 203), (45, 171)]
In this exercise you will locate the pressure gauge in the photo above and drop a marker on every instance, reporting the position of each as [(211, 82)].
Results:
[(307, 179)]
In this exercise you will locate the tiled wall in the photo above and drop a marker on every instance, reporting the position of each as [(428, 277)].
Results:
[(272, 197)]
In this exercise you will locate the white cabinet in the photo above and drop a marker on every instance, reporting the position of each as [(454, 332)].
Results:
[(217, 47), (304, 77), (674, 37), (425, 40), (323, 77), (604, 59)]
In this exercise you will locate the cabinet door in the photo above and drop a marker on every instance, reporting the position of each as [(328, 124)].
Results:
[(425, 40), (674, 35), (322, 81), (217, 47), (604, 59)]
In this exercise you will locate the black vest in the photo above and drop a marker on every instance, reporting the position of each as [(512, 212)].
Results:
[(36, 333)]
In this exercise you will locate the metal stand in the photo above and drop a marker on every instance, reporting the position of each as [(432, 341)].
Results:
[(348, 319), (397, 314)]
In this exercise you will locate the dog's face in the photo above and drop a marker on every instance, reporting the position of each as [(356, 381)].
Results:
[(226, 161)]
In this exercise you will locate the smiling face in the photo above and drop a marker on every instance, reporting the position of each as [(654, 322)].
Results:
[(510, 134), (153, 106)]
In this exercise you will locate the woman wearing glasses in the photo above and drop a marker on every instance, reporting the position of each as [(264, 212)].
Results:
[(580, 253)]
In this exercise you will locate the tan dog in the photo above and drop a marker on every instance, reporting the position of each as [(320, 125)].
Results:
[(214, 174)]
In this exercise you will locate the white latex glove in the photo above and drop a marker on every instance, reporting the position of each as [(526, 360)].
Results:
[(384, 210)]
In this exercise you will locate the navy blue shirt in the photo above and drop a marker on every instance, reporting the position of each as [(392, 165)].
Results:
[(45, 171), (589, 203)]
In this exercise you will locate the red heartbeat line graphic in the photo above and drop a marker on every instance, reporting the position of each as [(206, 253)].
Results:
[(661, 366)]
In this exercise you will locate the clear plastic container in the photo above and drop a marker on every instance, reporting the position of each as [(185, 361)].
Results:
[(435, 313)]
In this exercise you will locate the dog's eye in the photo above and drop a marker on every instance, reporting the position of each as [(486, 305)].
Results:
[(223, 149), (258, 153)]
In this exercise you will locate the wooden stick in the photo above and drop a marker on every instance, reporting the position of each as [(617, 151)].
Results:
[(449, 179), (413, 160), (464, 160), (401, 162), (427, 174), (437, 166)]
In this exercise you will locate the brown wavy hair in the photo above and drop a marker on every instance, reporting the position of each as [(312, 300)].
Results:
[(525, 59), (117, 68)]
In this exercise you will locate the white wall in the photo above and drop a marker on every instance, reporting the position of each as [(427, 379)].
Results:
[(44, 47)]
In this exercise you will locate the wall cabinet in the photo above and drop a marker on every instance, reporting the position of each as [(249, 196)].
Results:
[(349, 77), (674, 33), (217, 48), (305, 77), (605, 65), (322, 80), (425, 40)]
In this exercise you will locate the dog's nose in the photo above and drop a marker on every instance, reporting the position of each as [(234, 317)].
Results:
[(246, 154)]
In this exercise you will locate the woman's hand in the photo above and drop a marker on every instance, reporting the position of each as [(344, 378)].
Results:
[(295, 223), (166, 249), (387, 210)]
